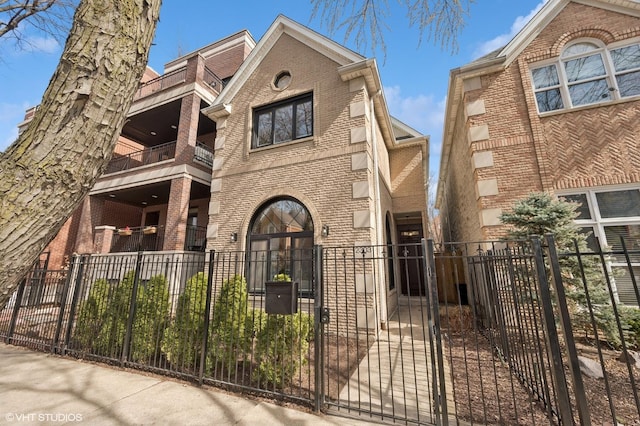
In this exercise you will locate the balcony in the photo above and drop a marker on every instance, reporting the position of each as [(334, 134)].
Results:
[(151, 238), (141, 158), (203, 154), (175, 78)]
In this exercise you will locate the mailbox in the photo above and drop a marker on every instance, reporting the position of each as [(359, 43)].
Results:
[(281, 297)]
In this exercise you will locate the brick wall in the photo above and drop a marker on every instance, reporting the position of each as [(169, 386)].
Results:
[(522, 152)]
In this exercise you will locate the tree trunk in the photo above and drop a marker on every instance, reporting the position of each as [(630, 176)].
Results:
[(52, 166)]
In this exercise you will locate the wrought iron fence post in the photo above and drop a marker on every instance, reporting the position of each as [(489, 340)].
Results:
[(551, 333), (74, 303), (318, 327), (63, 304), (440, 395), (16, 310), (132, 310), (565, 323), (207, 319)]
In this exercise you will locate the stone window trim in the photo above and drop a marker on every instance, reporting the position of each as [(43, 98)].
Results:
[(282, 80), (587, 73), (285, 121)]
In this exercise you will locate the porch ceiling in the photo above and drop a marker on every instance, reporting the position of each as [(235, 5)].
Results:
[(153, 194), (156, 126)]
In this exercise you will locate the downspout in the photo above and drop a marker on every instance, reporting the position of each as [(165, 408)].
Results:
[(378, 214)]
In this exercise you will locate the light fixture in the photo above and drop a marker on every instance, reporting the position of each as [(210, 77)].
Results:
[(112, 195), (174, 127), (144, 203), (154, 196), (325, 230), (234, 237), (153, 133)]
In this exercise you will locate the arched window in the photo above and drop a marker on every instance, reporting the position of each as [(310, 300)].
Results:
[(586, 73), (281, 244)]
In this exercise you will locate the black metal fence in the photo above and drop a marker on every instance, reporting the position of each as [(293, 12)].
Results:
[(543, 339), (489, 333)]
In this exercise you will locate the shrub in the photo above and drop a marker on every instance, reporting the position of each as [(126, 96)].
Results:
[(151, 319), (228, 324), (281, 348), (110, 338), (182, 342), (630, 318), (91, 315)]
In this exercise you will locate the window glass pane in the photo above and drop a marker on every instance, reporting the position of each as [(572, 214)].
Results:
[(283, 131), (264, 129), (619, 203), (589, 93), (626, 58), (581, 199), (549, 100), (578, 48), (629, 84), (630, 234), (545, 77), (304, 119), (583, 68)]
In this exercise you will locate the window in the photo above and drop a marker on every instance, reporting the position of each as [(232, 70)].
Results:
[(610, 217), (281, 242), (587, 73), (283, 122)]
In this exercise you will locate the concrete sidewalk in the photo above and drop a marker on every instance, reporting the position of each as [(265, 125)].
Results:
[(37, 388)]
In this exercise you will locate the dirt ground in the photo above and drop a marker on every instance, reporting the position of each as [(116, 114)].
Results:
[(486, 392)]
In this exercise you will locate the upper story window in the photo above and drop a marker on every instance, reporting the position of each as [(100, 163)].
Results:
[(283, 121), (587, 73)]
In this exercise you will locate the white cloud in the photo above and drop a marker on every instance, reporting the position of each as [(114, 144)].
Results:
[(503, 39), (41, 44), (424, 113)]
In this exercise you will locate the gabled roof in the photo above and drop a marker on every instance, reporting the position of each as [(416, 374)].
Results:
[(350, 65), (284, 25), (499, 59)]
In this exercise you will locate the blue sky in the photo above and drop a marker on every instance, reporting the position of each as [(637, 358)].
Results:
[(415, 75)]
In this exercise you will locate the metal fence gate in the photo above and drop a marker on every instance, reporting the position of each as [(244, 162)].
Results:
[(381, 353)]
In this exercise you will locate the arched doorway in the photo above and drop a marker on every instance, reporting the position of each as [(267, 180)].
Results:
[(280, 241)]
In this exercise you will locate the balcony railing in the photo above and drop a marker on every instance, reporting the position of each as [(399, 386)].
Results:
[(203, 154), (142, 158), (151, 238), (165, 81), (141, 238), (196, 238), (174, 78)]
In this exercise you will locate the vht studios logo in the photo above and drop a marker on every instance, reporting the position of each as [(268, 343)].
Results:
[(43, 417)]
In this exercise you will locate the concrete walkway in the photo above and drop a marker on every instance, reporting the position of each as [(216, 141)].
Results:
[(395, 378), (39, 389)]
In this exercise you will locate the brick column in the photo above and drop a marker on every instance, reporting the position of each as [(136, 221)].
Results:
[(177, 212), (103, 238), (89, 218), (189, 114)]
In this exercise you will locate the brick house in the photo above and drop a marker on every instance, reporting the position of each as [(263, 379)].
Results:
[(557, 110), (281, 144)]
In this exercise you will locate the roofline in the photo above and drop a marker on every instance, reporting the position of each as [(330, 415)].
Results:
[(241, 36), (280, 25)]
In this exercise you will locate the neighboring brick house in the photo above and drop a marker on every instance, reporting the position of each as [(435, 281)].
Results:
[(297, 149), (556, 110)]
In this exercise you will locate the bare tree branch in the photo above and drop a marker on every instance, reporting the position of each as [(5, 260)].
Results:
[(439, 21), (50, 17)]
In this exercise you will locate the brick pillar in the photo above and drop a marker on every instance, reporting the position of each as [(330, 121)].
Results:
[(189, 114), (177, 212), (89, 218), (103, 238)]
